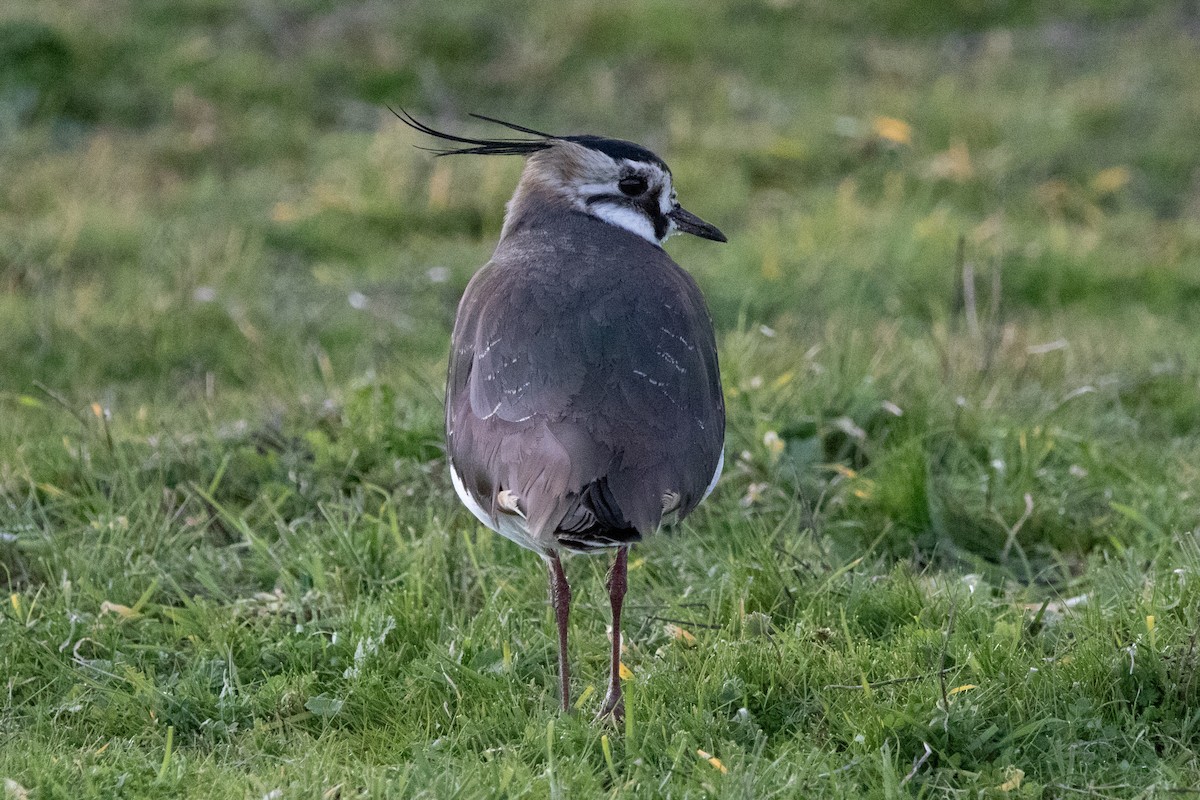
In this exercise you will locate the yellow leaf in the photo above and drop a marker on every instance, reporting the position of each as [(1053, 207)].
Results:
[(98, 410), (966, 687), (15, 599), (783, 380), (124, 612), (711, 759), (637, 563), (1015, 776), (893, 130), (626, 672), (678, 633), (1111, 180)]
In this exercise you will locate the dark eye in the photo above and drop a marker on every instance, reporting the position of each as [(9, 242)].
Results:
[(633, 185)]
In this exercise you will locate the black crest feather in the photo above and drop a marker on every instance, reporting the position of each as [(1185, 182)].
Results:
[(514, 126), (481, 147), (614, 148)]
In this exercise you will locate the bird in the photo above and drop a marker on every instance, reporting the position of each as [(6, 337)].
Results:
[(584, 406)]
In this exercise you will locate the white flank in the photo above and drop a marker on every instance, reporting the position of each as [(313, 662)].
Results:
[(509, 526), (716, 476)]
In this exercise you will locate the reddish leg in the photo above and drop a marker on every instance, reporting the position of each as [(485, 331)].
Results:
[(560, 594), (614, 706)]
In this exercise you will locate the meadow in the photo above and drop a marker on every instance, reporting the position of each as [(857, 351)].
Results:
[(955, 549)]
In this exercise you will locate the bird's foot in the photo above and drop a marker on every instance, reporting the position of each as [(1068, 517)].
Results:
[(613, 710)]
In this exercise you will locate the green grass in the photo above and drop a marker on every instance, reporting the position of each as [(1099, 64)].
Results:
[(955, 549)]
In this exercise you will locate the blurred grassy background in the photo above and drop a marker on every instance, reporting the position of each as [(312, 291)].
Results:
[(957, 312)]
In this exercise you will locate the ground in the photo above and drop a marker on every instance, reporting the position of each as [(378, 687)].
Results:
[(954, 551)]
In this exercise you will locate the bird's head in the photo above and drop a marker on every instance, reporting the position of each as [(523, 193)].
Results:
[(619, 182)]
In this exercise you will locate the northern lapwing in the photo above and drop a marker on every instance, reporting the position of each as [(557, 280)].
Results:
[(583, 400)]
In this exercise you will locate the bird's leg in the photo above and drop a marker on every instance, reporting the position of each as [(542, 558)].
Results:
[(614, 706), (560, 595)]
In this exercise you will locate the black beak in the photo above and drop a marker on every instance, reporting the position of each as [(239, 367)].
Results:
[(688, 222)]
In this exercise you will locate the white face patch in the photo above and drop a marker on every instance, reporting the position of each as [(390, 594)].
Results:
[(631, 219)]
